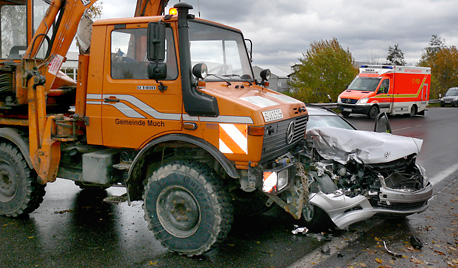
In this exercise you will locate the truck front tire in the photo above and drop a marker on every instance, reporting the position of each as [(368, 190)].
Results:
[(20, 192), (187, 207)]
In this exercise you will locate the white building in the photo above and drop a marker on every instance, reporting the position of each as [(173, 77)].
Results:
[(279, 77)]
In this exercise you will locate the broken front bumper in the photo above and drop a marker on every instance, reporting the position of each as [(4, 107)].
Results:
[(344, 210)]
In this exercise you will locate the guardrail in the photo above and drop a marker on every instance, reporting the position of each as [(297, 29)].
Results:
[(333, 105)]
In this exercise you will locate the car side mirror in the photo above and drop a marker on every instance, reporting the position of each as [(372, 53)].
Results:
[(440, 95), (382, 124)]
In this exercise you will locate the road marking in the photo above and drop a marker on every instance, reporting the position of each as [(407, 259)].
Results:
[(404, 128), (444, 174)]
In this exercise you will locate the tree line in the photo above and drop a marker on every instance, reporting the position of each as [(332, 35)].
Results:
[(326, 68)]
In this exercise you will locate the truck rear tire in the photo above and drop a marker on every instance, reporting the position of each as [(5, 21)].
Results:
[(187, 207), (20, 192)]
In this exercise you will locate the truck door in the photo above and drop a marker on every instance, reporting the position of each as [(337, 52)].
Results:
[(134, 109), (384, 96)]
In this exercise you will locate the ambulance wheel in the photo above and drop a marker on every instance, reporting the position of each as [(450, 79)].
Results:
[(373, 112), (20, 192), (413, 111), (187, 207), (345, 114)]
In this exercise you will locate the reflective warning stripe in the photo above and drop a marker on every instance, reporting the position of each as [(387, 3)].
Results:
[(233, 138)]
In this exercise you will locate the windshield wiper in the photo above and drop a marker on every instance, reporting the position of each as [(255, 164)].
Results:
[(241, 77), (219, 77)]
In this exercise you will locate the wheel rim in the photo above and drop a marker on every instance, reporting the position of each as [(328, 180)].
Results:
[(308, 212), (178, 211), (373, 112), (8, 182)]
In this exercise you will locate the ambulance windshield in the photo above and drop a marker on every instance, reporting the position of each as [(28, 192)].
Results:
[(364, 83)]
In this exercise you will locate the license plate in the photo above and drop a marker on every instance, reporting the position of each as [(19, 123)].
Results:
[(347, 110), (272, 115)]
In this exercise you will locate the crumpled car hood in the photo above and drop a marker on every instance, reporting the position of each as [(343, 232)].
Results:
[(341, 145)]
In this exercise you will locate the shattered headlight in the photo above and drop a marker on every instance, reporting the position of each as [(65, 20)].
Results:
[(274, 181)]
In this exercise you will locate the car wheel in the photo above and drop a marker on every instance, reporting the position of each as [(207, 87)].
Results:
[(316, 220), (345, 114), (20, 192), (413, 111), (187, 207), (373, 112)]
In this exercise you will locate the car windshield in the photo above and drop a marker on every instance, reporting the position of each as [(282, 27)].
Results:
[(452, 92), (327, 121), (364, 83), (222, 49)]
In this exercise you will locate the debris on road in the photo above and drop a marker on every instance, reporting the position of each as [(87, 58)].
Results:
[(297, 230), (391, 252)]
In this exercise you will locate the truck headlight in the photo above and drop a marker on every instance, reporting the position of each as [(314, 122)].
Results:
[(363, 101), (275, 181), (339, 100)]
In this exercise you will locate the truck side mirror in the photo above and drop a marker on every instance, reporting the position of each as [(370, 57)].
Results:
[(156, 41), (382, 124), (157, 70)]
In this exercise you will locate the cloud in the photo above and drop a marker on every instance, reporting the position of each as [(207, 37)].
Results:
[(282, 30)]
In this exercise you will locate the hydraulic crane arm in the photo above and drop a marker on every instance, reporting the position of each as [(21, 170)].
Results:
[(150, 7)]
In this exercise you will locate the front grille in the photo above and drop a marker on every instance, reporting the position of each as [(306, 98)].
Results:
[(275, 137), (349, 101)]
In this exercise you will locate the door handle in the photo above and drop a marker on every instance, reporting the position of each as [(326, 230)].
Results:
[(110, 100)]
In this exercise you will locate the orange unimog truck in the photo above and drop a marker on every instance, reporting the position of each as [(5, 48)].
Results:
[(386, 88), (165, 105)]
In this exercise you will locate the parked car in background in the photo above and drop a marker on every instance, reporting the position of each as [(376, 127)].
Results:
[(450, 97)]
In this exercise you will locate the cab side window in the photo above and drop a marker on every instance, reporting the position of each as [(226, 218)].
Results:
[(13, 35), (128, 54), (384, 87)]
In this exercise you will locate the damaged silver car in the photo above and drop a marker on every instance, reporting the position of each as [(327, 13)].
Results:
[(352, 175), (344, 175)]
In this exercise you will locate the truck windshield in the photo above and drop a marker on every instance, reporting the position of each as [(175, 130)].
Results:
[(222, 49), (364, 83)]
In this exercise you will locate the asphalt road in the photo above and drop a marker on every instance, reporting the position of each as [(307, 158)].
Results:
[(74, 228)]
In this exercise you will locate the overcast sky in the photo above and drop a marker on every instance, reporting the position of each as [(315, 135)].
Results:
[(282, 30)]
